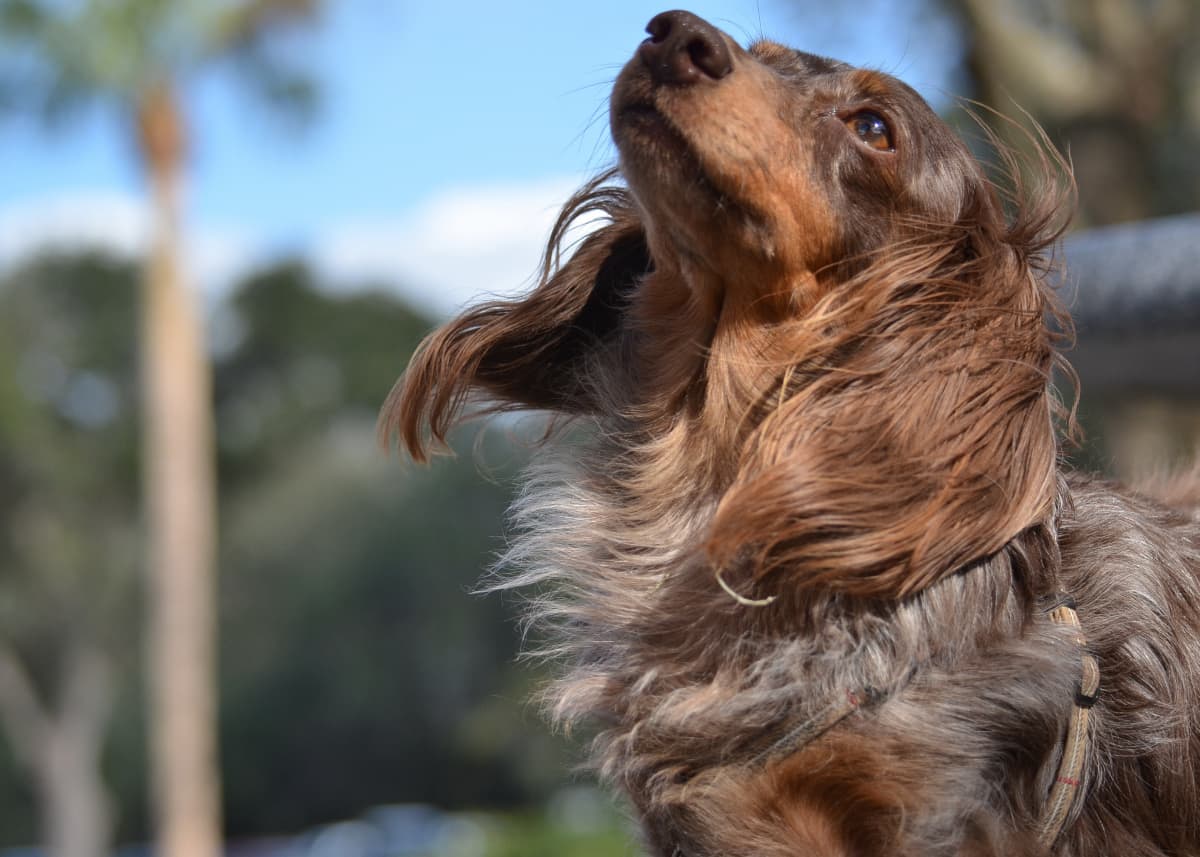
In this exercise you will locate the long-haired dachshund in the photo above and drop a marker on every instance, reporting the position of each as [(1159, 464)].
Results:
[(807, 555)]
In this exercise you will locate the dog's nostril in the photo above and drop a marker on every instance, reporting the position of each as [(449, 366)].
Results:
[(684, 48), (705, 57), (659, 26)]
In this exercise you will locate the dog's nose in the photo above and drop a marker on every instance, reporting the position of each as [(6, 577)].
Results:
[(684, 48)]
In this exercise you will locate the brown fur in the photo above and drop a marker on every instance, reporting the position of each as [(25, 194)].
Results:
[(821, 371)]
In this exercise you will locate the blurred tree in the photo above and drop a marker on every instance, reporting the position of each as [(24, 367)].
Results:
[(136, 55), (1115, 83), (299, 359), (68, 497), (356, 668)]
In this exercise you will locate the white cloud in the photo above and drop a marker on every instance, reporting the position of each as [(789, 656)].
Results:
[(118, 223), (454, 248), (106, 220)]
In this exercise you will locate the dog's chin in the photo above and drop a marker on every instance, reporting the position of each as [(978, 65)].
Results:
[(668, 177), (658, 159)]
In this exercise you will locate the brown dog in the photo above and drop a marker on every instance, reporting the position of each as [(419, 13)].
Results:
[(811, 564)]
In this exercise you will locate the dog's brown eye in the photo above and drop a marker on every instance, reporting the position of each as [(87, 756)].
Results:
[(872, 130)]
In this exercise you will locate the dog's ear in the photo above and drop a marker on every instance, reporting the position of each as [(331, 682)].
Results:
[(916, 436), (532, 352)]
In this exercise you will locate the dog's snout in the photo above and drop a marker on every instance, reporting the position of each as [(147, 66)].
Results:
[(684, 49)]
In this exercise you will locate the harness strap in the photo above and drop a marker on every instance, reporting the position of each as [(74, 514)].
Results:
[(817, 725), (1063, 793), (1065, 790)]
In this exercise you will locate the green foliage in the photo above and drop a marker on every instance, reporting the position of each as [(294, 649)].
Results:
[(356, 667), (68, 473), (542, 835), (68, 476), (374, 681), (55, 55), (18, 812), (303, 360), (377, 659)]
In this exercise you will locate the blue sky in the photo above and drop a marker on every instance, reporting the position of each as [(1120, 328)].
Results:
[(448, 133)]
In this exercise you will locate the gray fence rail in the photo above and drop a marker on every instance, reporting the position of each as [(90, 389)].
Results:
[(1136, 277), (1134, 291)]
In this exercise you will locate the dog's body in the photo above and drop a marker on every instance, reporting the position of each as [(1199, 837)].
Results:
[(799, 569)]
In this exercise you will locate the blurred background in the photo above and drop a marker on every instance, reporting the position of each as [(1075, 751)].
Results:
[(243, 215)]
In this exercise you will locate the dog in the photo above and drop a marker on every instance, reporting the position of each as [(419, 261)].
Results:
[(800, 536)]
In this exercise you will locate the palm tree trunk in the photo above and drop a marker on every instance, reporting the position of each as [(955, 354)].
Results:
[(180, 499)]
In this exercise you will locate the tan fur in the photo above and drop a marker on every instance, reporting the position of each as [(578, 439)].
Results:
[(823, 373)]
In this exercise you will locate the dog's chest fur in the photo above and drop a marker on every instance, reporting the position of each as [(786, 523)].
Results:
[(693, 694)]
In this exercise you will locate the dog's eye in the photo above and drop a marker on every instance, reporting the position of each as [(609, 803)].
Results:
[(872, 130)]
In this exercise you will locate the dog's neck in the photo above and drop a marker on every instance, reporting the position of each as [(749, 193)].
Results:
[(698, 367), (654, 640)]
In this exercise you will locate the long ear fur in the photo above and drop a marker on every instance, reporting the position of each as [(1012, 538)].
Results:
[(529, 352), (913, 429)]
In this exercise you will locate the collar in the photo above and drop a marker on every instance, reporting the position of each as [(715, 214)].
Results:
[(1064, 794)]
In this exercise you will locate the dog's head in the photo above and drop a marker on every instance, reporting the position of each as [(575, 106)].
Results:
[(774, 165), (808, 304)]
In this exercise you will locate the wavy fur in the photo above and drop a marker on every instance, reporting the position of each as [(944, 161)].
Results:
[(822, 374)]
